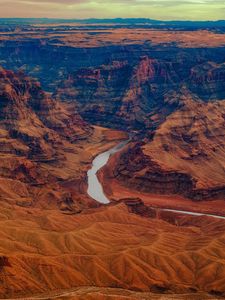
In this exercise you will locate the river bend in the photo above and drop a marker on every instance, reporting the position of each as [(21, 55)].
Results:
[(95, 189)]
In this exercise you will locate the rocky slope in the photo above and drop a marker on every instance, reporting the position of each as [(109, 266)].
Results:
[(133, 79), (169, 87), (145, 92), (37, 135), (52, 52), (121, 94), (184, 156), (177, 110)]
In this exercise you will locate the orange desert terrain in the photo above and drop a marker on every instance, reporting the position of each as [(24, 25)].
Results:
[(69, 92)]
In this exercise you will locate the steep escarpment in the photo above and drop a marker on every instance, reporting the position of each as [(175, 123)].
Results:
[(98, 91), (124, 93), (179, 110), (185, 156), (145, 94), (142, 93), (207, 81), (118, 76), (52, 53), (37, 134)]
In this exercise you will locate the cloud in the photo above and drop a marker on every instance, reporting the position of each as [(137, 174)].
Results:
[(156, 9)]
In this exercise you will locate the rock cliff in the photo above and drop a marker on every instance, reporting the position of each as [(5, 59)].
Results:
[(185, 155), (36, 135), (139, 80), (178, 108)]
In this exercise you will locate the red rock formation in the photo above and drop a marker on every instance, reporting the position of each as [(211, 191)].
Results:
[(136, 206), (48, 240), (207, 80), (185, 156), (36, 133)]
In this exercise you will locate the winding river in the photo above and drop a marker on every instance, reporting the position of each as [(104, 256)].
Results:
[(95, 189)]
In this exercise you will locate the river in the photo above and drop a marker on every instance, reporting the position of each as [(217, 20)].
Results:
[(95, 189)]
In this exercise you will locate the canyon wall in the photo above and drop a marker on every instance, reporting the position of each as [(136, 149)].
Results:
[(37, 134), (165, 85)]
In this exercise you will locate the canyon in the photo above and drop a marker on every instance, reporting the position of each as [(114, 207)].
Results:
[(70, 92)]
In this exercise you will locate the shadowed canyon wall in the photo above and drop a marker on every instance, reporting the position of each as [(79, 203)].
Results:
[(166, 85)]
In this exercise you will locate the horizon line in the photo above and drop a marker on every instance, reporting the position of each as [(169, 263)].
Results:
[(116, 18)]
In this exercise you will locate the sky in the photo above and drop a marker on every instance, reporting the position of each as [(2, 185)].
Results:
[(80, 9)]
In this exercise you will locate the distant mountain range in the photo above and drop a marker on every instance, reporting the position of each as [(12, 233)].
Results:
[(128, 21)]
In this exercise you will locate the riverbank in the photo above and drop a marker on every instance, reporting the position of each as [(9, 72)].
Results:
[(115, 190), (95, 189), (97, 246)]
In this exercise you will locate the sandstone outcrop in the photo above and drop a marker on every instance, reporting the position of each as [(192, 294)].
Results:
[(36, 135), (185, 155)]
